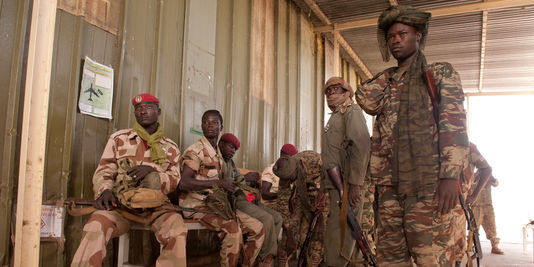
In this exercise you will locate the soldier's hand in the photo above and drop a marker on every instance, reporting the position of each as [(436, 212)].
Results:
[(446, 195), (354, 194), (253, 178), (139, 172), (227, 184), (106, 201), (320, 201)]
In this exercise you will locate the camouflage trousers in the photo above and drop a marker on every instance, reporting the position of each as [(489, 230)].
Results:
[(315, 252), (231, 236), (368, 214), (460, 232), (103, 225), (271, 220), (410, 228), (485, 216)]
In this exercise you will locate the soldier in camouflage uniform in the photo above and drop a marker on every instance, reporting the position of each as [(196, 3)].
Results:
[(345, 155), (417, 176), (202, 164), (474, 160), (269, 181), (272, 220), (151, 154), (307, 199), (483, 210)]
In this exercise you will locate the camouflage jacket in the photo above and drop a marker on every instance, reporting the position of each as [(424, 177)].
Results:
[(380, 96), (475, 159), (207, 164), (127, 144), (345, 143)]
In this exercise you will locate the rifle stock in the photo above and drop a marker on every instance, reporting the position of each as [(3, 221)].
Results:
[(361, 240)]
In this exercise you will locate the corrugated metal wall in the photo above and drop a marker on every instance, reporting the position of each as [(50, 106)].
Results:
[(258, 62)]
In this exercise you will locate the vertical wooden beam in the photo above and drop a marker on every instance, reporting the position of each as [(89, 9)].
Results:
[(33, 135), (337, 57)]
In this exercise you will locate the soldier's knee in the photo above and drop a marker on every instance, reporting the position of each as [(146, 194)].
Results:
[(99, 223)]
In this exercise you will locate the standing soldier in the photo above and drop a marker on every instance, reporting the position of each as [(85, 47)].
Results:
[(271, 220), (484, 213), (205, 189), (141, 156), (417, 176), (345, 154), (307, 200), (269, 181), (474, 160)]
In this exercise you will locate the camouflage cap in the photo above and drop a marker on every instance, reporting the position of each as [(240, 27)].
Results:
[(403, 14)]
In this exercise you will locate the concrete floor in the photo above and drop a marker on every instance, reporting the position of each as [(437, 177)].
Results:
[(513, 255)]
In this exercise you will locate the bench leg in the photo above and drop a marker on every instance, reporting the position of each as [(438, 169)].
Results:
[(124, 249)]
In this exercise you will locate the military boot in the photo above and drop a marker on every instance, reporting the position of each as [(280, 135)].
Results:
[(495, 247)]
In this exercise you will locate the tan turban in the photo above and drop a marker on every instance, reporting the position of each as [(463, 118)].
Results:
[(339, 100), (406, 15)]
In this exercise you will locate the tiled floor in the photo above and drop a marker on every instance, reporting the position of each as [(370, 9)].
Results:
[(513, 255)]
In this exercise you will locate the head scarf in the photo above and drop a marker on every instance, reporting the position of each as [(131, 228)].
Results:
[(341, 101), (405, 15)]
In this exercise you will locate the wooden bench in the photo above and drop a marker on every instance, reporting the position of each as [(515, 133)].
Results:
[(124, 241)]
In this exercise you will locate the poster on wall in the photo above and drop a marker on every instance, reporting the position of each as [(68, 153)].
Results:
[(96, 91)]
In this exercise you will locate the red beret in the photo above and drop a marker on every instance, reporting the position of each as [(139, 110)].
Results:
[(230, 138), (144, 98), (289, 149)]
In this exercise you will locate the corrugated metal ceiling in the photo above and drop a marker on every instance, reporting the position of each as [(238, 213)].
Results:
[(509, 57)]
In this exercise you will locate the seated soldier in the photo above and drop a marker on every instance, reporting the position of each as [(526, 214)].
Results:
[(307, 203), (272, 220), (133, 158), (204, 188), (269, 181)]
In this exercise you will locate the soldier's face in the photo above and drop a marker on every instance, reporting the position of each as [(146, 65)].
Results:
[(334, 89), (146, 114), (403, 40), (227, 149), (211, 126)]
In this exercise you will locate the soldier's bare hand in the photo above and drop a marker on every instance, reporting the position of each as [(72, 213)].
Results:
[(228, 184), (446, 195), (139, 172), (354, 194), (253, 178), (106, 201)]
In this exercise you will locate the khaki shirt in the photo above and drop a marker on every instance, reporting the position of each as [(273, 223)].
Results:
[(207, 164), (268, 176), (345, 142), (127, 144), (475, 159)]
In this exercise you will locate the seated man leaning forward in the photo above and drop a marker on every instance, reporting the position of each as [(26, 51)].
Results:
[(204, 188), (272, 220), (135, 158)]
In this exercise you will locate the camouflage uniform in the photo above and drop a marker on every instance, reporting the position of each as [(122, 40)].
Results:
[(307, 189), (103, 225), (404, 229), (271, 220), (268, 176), (485, 216), (345, 143), (207, 164), (368, 213), (475, 159)]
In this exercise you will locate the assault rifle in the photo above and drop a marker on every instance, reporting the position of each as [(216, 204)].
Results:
[(360, 237), (302, 255), (472, 227)]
